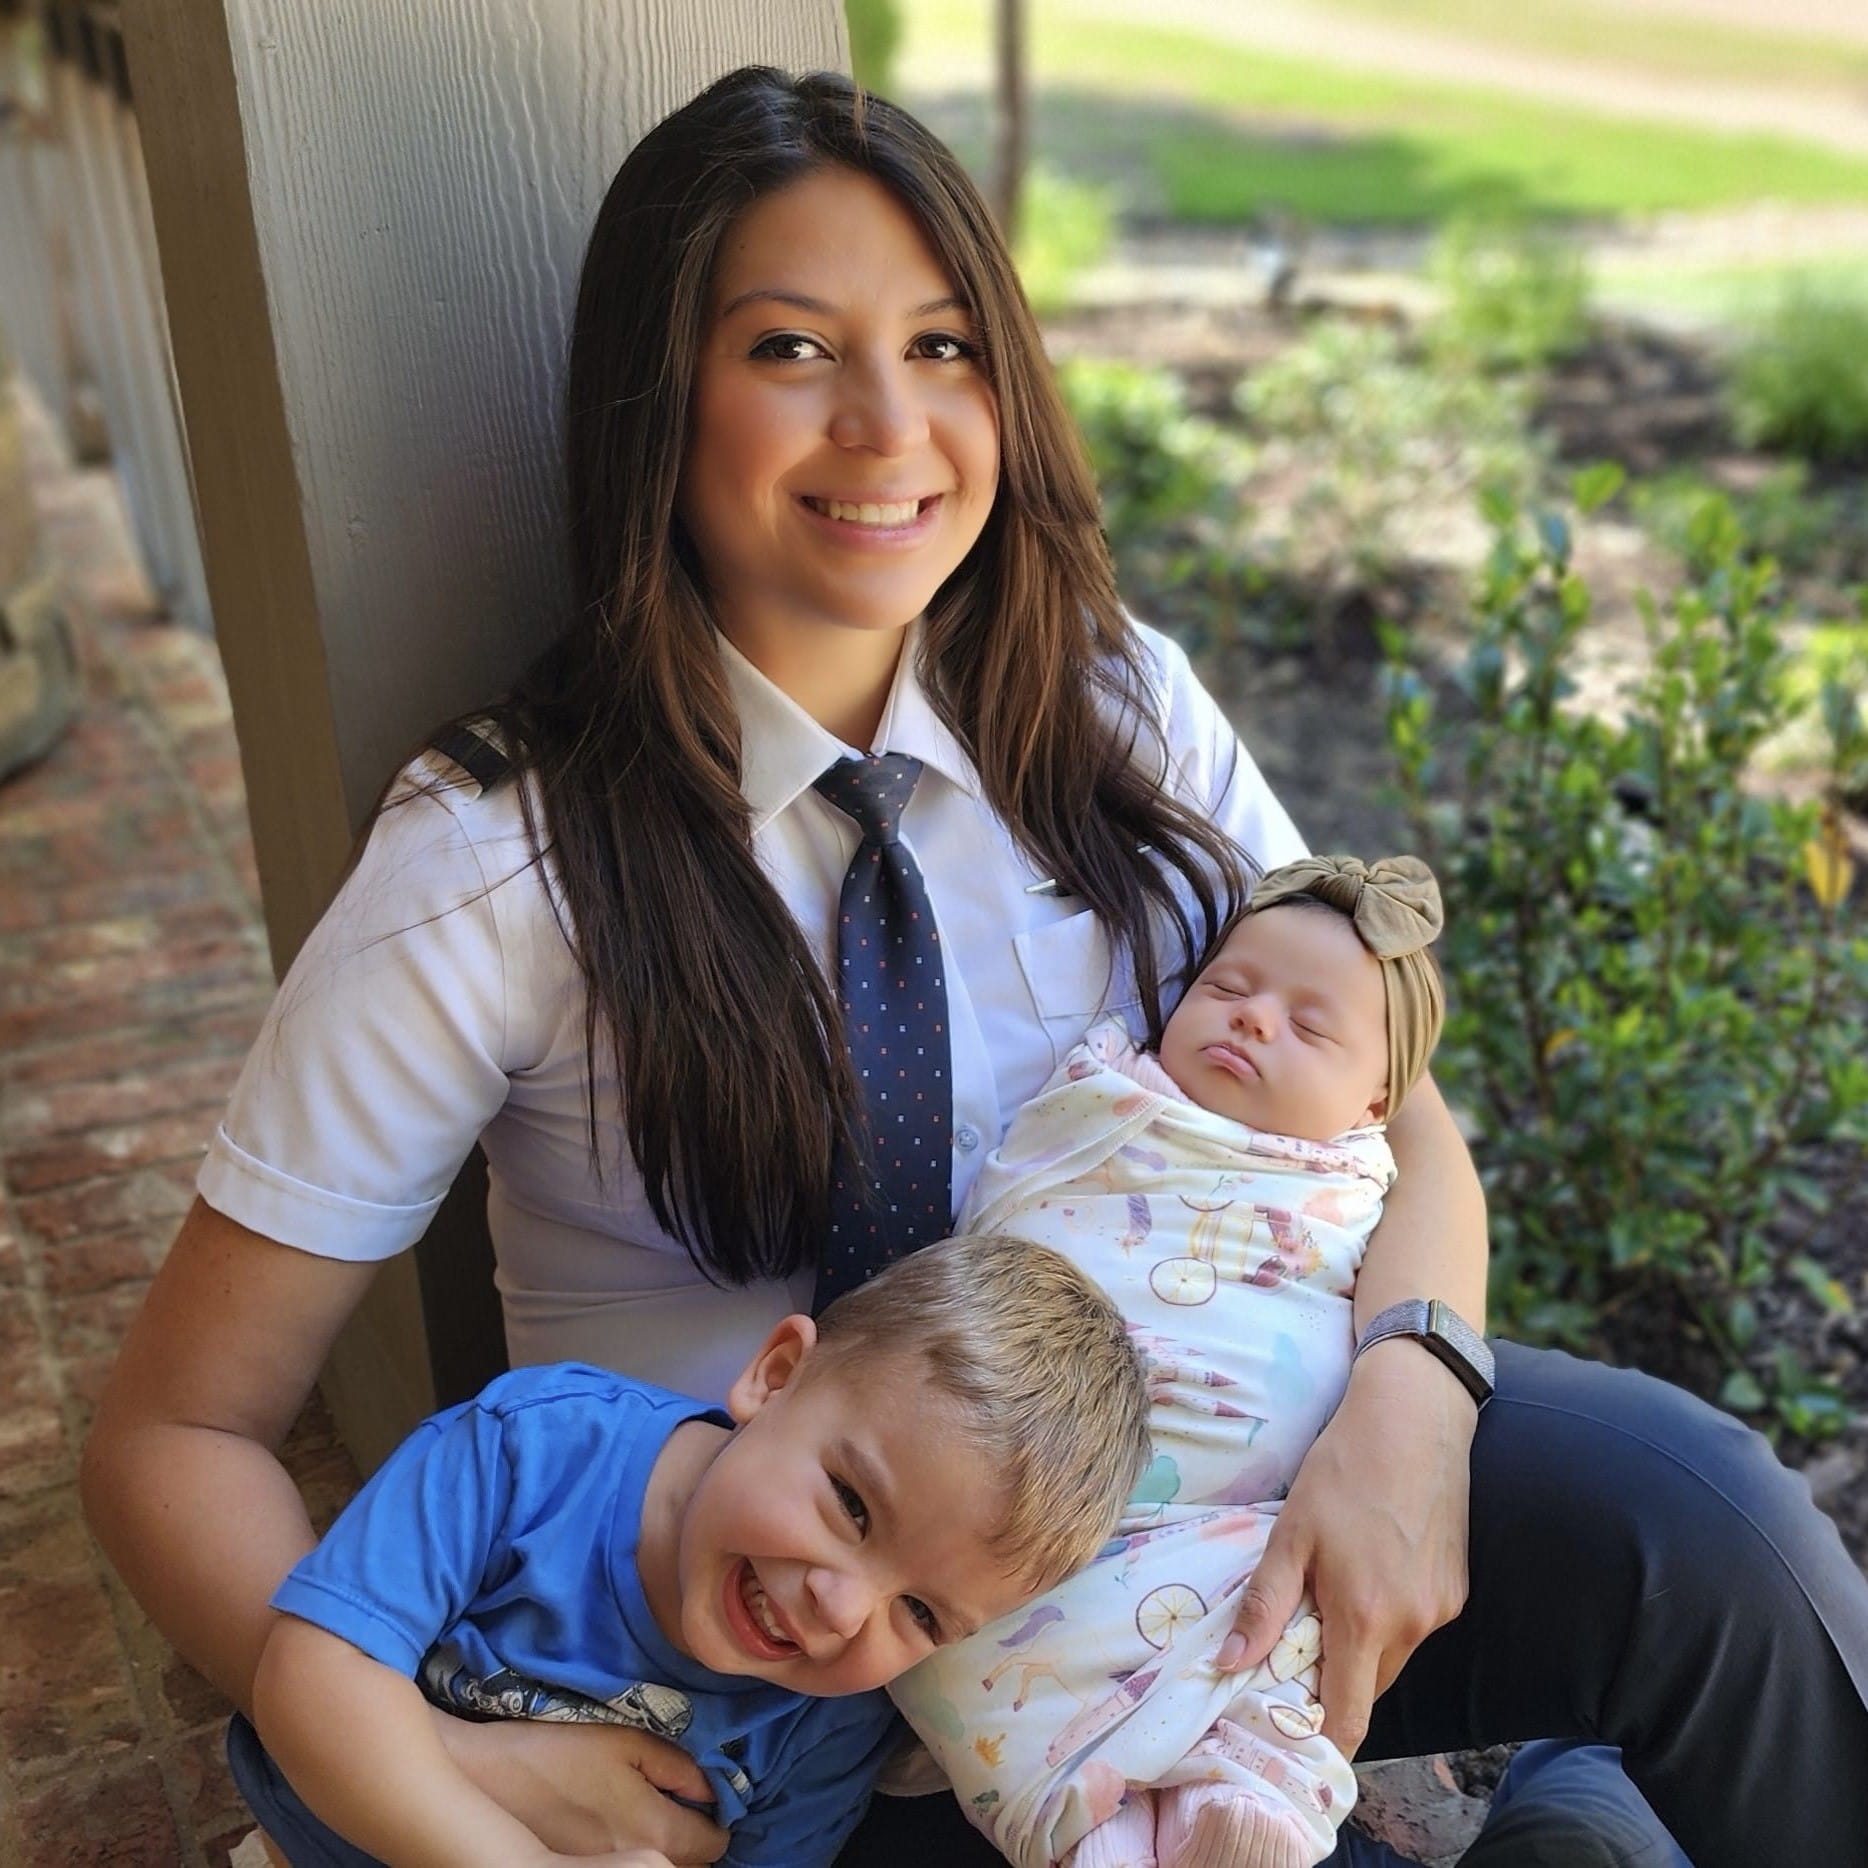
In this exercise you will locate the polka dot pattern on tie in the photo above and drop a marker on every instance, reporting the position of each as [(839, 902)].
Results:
[(892, 985)]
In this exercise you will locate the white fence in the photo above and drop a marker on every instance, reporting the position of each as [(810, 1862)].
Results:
[(80, 286)]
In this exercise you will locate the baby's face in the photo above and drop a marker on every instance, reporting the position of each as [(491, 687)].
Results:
[(1286, 1029)]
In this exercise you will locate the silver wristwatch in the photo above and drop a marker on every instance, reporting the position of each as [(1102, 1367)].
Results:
[(1443, 1332)]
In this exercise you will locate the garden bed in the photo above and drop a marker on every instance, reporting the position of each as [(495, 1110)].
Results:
[(1658, 405)]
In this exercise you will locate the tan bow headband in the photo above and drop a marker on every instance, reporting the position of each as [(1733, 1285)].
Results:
[(1395, 907)]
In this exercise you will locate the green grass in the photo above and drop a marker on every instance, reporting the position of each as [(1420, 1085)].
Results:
[(1224, 131), (1728, 297), (1656, 46)]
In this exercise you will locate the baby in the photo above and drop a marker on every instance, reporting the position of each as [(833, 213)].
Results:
[(939, 1445), (1222, 1193)]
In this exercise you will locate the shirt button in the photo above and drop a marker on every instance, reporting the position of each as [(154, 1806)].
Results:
[(966, 1138)]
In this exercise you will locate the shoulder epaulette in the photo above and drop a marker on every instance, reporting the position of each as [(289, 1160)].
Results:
[(476, 755)]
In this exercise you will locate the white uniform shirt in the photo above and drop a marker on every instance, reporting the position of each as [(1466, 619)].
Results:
[(437, 1004)]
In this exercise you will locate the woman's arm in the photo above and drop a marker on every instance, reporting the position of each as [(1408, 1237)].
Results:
[(1375, 1524), (183, 1490), (1431, 1239), (179, 1477)]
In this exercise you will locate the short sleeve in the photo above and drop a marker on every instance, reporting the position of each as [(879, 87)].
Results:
[(1211, 768), (407, 1554), (386, 1050), (838, 1750)]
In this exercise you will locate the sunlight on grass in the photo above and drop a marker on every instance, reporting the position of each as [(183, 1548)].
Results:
[(1225, 131), (944, 41), (1665, 48), (1720, 297)]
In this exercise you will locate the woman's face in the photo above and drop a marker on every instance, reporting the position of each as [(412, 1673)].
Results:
[(844, 449)]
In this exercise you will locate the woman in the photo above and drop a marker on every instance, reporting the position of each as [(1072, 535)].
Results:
[(824, 500)]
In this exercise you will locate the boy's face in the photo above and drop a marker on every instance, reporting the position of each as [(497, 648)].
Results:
[(1286, 1028), (840, 1535)]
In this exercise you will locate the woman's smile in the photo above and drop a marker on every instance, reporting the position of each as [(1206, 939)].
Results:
[(875, 515), (843, 453)]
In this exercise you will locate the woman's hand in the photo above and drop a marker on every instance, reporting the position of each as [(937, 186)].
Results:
[(1374, 1530), (588, 1790)]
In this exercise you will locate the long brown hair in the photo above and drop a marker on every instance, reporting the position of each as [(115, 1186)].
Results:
[(735, 1083)]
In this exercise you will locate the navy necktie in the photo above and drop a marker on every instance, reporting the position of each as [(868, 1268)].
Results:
[(893, 988)]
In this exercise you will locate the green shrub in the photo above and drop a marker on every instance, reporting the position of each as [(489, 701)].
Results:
[(1801, 382), (1372, 438), (1654, 1020), (1781, 518), (1065, 228), (1173, 498), (1514, 296), (1158, 464), (875, 37)]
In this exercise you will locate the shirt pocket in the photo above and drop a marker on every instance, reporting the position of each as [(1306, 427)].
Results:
[(1069, 975)]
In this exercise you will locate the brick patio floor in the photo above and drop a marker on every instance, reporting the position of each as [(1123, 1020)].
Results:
[(133, 972)]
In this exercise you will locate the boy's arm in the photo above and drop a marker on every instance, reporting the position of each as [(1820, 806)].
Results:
[(358, 1743), (398, 1569)]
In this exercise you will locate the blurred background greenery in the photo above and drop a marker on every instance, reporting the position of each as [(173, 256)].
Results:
[(1357, 114), (1480, 391)]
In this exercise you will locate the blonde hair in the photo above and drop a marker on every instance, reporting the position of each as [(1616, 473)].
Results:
[(1050, 1390)]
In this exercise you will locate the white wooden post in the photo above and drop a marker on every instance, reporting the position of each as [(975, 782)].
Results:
[(370, 219), (121, 296), (29, 308), (38, 204)]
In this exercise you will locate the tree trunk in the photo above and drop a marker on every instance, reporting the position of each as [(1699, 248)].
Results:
[(1013, 116)]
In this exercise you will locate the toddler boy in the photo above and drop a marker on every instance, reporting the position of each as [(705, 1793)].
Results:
[(941, 1444)]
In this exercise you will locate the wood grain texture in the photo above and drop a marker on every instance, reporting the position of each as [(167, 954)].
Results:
[(371, 218), (259, 573), (424, 179)]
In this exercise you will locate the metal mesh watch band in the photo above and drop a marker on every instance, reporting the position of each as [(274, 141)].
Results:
[(1444, 1333)]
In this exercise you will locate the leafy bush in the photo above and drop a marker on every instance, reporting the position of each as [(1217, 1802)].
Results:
[(1065, 228), (1513, 296), (1801, 383), (1157, 463), (1173, 496), (1373, 436), (1357, 448), (875, 37), (1782, 518), (1830, 670), (1659, 994)]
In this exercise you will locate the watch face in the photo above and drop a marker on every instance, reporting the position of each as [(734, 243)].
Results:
[(1463, 1349), (1444, 1333)]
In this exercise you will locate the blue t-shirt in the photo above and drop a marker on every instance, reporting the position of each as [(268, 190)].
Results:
[(493, 1558)]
